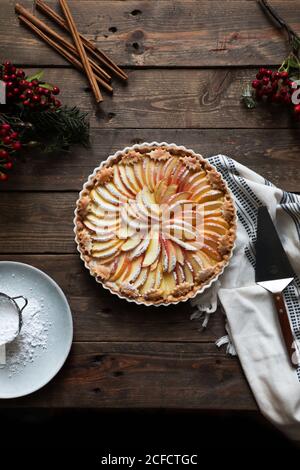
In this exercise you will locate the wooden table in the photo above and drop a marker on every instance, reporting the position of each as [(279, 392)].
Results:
[(187, 61)]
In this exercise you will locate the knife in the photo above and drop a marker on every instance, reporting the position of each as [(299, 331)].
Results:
[(274, 273)]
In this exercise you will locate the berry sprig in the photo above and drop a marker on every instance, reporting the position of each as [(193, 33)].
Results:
[(34, 117), (30, 92), (277, 87), (281, 86), (9, 147)]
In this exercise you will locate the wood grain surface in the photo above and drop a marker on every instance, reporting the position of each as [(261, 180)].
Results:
[(181, 33), (187, 61)]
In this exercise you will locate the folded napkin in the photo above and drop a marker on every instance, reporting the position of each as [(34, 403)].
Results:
[(252, 322)]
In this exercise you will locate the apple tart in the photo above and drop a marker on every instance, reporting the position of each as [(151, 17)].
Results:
[(155, 224)]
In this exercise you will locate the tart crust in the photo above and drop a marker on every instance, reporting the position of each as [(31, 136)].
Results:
[(221, 242)]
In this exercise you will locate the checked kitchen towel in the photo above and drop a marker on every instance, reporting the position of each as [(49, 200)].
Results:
[(252, 319)]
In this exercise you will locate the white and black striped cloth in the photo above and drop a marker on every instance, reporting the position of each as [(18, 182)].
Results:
[(251, 316)]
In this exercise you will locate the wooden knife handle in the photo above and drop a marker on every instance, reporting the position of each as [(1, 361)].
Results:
[(286, 328)]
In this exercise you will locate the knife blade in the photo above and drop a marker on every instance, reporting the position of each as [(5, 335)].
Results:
[(274, 273)]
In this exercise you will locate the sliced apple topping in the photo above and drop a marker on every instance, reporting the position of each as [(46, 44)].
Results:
[(156, 225), (153, 250)]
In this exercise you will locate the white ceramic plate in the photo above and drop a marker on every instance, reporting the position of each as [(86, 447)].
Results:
[(36, 286), (112, 158)]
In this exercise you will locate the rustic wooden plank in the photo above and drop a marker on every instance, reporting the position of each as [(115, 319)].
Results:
[(145, 375), (100, 316), (165, 33), (171, 99), (37, 223), (265, 151)]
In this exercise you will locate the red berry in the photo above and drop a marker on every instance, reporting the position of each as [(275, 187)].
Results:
[(4, 154), (17, 145), (284, 75), (36, 98), (9, 95), (26, 103), (30, 85), (57, 103), (35, 82), (3, 177), (6, 126), (29, 92), (9, 84), (22, 97), (262, 71), (13, 69), (46, 92), (269, 73), (13, 77), (256, 84), (20, 73), (8, 165), (16, 91), (7, 140), (297, 109), (55, 90), (3, 132), (6, 78), (266, 81), (14, 135)]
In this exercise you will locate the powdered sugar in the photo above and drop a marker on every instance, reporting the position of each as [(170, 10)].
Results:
[(32, 340), (9, 320)]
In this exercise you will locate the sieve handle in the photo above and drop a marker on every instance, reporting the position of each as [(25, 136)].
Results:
[(2, 355), (25, 300)]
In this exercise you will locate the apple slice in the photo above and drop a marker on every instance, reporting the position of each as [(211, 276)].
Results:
[(183, 244), (125, 180), (123, 263), (179, 274), (105, 253), (139, 174), (103, 203), (108, 196), (149, 169), (171, 189), (131, 178), (111, 222), (149, 201), (141, 279), (160, 190), (216, 226), (188, 273), (179, 254), (169, 253), (134, 270), (112, 188), (131, 243), (194, 179), (119, 183), (210, 196), (102, 246), (153, 250), (169, 167), (207, 262), (140, 248), (211, 252), (169, 282), (150, 282)]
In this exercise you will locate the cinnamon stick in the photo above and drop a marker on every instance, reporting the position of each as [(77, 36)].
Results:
[(61, 50), (49, 31), (92, 49), (79, 46)]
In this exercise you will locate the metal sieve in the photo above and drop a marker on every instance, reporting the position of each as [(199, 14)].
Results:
[(12, 301)]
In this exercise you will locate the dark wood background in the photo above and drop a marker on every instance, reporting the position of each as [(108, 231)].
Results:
[(187, 61)]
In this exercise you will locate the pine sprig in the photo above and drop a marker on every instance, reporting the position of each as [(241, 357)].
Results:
[(64, 127)]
